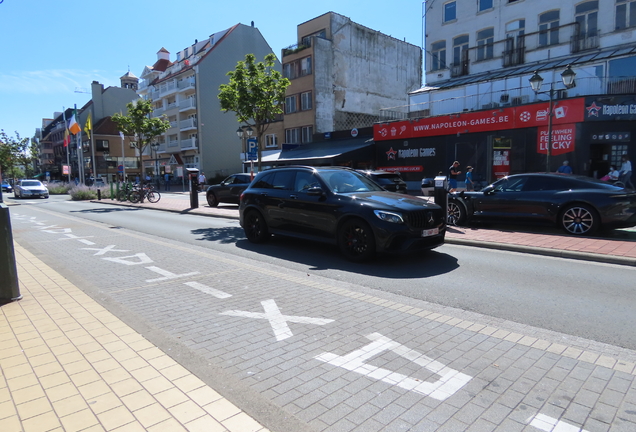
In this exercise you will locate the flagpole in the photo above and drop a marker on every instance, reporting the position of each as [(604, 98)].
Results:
[(67, 145), (92, 139), (80, 150)]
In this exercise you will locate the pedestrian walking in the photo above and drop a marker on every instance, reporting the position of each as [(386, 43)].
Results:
[(166, 178), (453, 172), (626, 172), (202, 181), (470, 186)]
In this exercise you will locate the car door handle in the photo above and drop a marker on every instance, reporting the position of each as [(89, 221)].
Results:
[(293, 196), (263, 194)]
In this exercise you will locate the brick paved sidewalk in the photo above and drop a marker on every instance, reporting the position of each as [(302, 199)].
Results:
[(68, 364), (619, 249)]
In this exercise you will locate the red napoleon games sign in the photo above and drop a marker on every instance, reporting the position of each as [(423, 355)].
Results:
[(524, 116)]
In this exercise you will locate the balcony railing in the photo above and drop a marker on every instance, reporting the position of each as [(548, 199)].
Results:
[(585, 86), (173, 143), (583, 43), (185, 84), (167, 88), (188, 124), (187, 104), (187, 144)]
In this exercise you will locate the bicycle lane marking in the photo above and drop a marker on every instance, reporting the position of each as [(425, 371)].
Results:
[(458, 323)]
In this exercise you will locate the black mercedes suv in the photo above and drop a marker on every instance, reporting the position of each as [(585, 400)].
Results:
[(340, 206)]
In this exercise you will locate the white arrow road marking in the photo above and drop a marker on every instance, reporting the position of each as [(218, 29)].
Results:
[(208, 290), (450, 380), (103, 251), (277, 320), (58, 231), (74, 237), (549, 424), (142, 257), (166, 274)]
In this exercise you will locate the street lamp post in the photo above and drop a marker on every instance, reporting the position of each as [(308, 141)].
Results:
[(567, 76), (242, 136), (155, 146)]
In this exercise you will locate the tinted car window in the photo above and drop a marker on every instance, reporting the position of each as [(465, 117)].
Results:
[(242, 179), (514, 184), (284, 180), (541, 184), (265, 182), (305, 180)]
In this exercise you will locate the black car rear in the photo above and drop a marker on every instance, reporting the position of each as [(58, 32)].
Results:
[(339, 206), (391, 181)]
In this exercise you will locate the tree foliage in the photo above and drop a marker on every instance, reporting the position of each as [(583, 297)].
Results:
[(256, 93), (16, 155), (140, 126)]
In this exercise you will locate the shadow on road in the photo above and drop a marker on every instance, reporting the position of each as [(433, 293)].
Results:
[(107, 210)]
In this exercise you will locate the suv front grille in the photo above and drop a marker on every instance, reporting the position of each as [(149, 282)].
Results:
[(424, 219)]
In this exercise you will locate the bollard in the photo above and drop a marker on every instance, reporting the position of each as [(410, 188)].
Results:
[(193, 174), (99, 194), (9, 287), (440, 193)]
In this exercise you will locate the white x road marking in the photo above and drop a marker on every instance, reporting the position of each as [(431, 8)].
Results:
[(277, 320), (549, 424), (450, 380)]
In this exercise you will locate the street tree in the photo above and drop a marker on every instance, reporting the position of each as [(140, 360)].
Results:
[(256, 93), (16, 155), (139, 126)]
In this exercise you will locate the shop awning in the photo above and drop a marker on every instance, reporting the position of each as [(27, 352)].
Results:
[(324, 151)]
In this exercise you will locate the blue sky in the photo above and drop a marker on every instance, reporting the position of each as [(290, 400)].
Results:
[(49, 49)]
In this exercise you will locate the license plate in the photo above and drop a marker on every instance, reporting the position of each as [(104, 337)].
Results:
[(430, 232)]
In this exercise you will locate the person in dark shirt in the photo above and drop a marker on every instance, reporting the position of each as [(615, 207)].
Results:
[(453, 172)]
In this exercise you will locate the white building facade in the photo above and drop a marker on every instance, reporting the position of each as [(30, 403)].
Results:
[(479, 58)]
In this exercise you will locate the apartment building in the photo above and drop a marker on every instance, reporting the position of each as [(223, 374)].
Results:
[(106, 157), (342, 74), (478, 105), (185, 91)]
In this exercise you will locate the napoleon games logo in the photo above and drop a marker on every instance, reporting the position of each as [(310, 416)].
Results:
[(592, 110), (525, 116), (390, 155)]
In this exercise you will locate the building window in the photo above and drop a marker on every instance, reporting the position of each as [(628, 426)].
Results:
[(101, 145), (549, 28), (290, 104), (625, 14), (485, 43), (485, 5), (305, 101), (305, 66), (297, 68), (438, 54), (460, 44), (586, 15), (450, 11), (292, 136), (271, 140), (307, 134)]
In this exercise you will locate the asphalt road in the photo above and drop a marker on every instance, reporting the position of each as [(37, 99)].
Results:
[(589, 300)]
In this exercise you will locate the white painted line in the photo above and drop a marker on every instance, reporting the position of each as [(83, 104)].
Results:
[(449, 383), (74, 237), (105, 250), (277, 320), (166, 274), (208, 290), (142, 257), (58, 231), (549, 424)]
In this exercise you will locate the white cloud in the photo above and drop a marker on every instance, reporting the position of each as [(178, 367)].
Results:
[(52, 81)]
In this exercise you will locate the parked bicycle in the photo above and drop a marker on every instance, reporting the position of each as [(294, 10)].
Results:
[(141, 192)]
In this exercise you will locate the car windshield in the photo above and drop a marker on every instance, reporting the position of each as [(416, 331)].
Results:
[(31, 183), (343, 181)]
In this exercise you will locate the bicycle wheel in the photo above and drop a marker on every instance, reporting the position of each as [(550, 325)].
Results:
[(134, 196), (122, 195), (153, 196)]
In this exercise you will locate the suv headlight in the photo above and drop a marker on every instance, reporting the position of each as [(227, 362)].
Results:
[(389, 216)]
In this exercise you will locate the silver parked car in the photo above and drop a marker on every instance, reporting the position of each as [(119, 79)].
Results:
[(30, 189)]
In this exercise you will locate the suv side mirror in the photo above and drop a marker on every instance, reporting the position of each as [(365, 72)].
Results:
[(315, 191)]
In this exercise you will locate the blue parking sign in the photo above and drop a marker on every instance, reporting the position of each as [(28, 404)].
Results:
[(252, 148)]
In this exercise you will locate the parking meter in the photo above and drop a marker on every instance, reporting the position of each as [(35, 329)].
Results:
[(440, 194), (193, 174)]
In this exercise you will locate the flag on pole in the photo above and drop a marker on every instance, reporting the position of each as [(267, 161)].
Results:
[(88, 126), (73, 126), (67, 138)]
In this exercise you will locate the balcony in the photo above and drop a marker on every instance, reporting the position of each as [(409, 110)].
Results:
[(188, 144), (187, 104), (167, 88), (190, 123), (173, 144), (583, 43), (185, 84)]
